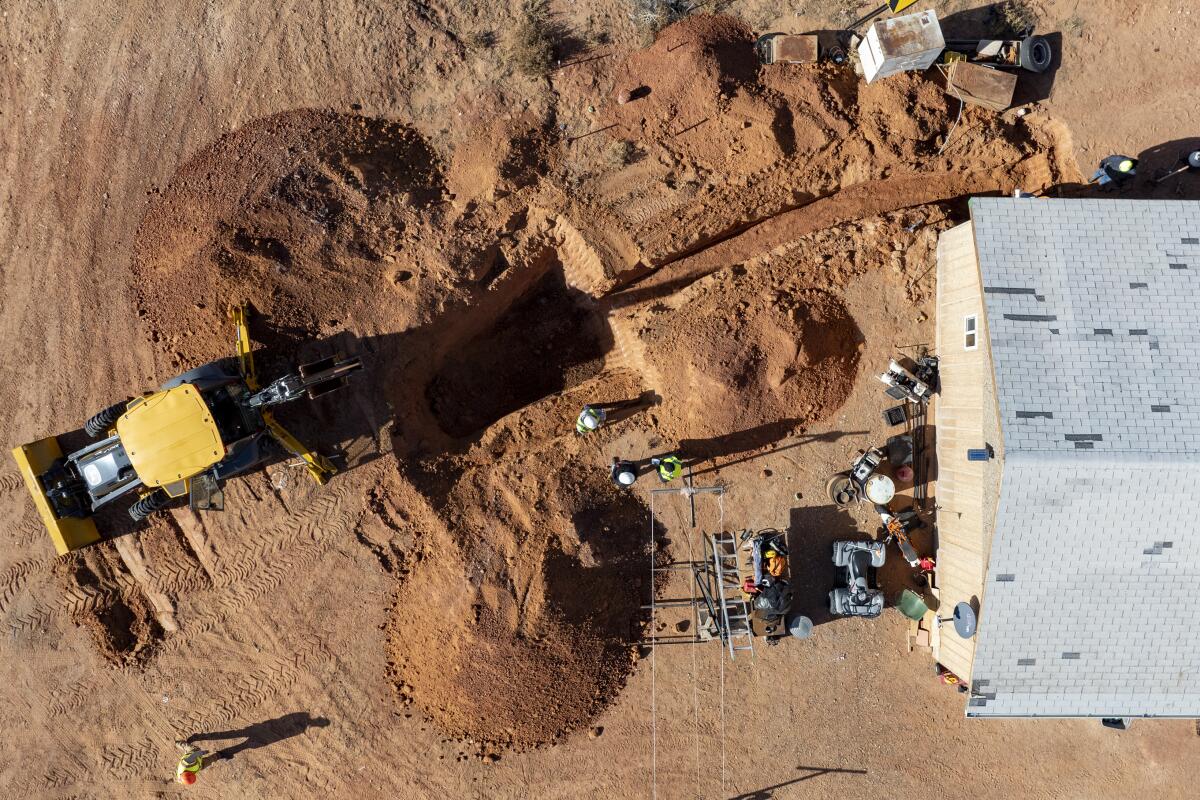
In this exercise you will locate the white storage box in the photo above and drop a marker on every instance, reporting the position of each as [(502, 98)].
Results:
[(899, 44)]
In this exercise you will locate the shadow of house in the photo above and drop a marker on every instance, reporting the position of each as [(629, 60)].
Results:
[(1158, 162), (1153, 163)]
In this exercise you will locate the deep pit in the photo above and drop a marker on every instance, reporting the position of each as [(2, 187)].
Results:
[(551, 339)]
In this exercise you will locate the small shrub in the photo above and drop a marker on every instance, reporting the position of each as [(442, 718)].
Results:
[(622, 153), (1074, 26), (479, 40), (1015, 18), (532, 47), (651, 16)]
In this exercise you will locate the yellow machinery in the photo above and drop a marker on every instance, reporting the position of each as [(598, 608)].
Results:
[(199, 429)]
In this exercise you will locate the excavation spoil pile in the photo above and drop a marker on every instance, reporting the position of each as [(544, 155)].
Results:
[(751, 368), (303, 213), (519, 628)]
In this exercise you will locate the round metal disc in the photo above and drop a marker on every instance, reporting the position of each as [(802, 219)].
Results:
[(880, 489), (964, 620)]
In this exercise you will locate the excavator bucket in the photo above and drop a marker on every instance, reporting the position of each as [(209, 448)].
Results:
[(67, 533)]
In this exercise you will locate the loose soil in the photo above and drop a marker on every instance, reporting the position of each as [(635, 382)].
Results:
[(740, 247)]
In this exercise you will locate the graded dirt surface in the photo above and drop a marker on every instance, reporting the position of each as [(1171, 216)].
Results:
[(741, 249)]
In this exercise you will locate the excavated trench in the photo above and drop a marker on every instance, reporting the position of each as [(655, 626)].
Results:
[(552, 339)]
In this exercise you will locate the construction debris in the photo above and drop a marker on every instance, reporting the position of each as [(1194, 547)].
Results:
[(980, 85)]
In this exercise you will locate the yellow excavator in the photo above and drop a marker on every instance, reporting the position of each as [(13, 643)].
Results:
[(199, 429)]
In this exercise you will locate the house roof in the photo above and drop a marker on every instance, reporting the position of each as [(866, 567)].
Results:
[(1090, 594)]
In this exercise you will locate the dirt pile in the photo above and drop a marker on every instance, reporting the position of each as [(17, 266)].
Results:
[(317, 218), (692, 94), (517, 626), (715, 142), (748, 368)]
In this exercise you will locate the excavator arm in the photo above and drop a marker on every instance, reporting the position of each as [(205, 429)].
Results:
[(240, 315), (312, 381)]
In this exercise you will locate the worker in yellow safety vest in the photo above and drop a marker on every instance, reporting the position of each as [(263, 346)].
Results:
[(669, 467), (590, 419), (1115, 170), (187, 771), (624, 473)]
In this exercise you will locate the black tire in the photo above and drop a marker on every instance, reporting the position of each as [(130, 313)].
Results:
[(100, 424), (155, 501), (1036, 54)]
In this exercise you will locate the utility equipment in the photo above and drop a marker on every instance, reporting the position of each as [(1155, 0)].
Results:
[(788, 48), (899, 44), (1032, 53), (897, 527)]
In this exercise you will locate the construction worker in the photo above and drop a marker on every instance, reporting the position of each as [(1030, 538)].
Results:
[(1188, 162), (187, 771), (1115, 170), (669, 467), (590, 419), (624, 473)]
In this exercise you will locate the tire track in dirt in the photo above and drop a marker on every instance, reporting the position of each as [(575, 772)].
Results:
[(10, 482), (178, 578), (270, 560), (582, 266), (14, 578), (132, 760), (84, 599), (265, 565), (71, 698), (36, 620), (252, 690), (30, 530)]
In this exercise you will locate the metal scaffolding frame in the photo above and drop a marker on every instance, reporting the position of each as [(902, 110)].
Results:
[(719, 611)]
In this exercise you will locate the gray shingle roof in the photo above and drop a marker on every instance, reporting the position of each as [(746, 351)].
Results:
[(1093, 310)]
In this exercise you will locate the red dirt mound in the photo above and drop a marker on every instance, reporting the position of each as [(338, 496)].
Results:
[(731, 368), (518, 624), (317, 218)]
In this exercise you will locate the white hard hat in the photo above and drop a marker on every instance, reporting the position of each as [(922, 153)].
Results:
[(626, 478), (590, 421)]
